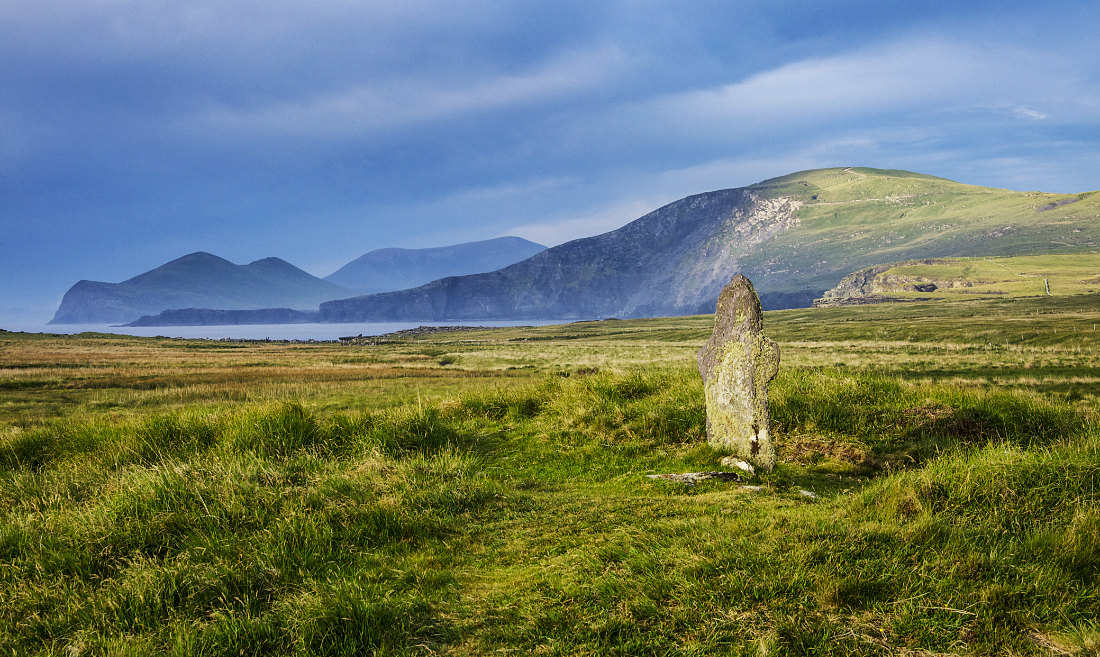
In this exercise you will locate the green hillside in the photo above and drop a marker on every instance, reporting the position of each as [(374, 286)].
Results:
[(866, 216)]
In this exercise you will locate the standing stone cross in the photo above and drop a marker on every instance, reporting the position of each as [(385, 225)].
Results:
[(737, 362)]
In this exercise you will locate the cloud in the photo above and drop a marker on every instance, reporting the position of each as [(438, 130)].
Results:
[(1028, 113), (919, 79), (819, 90), (113, 28), (367, 107)]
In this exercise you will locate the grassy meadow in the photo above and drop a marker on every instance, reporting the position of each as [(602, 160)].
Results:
[(1017, 276), (484, 492)]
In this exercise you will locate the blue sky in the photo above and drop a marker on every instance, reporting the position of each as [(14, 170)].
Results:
[(132, 133)]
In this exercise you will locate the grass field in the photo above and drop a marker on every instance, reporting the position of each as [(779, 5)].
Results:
[(1006, 277), (483, 492)]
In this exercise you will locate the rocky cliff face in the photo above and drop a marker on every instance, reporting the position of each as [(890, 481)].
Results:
[(673, 261), (877, 283)]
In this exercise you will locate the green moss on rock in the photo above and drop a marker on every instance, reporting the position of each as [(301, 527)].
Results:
[(736, 363)]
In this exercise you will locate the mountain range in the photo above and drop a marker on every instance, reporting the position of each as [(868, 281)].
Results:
[(201, 281), (198, 280), (794, 237)]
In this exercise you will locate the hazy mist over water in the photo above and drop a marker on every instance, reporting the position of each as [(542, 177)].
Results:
[(260, 331)]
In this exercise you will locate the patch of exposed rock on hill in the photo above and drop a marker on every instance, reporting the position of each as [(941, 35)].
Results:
[(876, 284), (698, 280)]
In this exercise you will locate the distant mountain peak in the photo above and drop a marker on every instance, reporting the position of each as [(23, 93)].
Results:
[(394, 268), (274, 264), (198, 256)]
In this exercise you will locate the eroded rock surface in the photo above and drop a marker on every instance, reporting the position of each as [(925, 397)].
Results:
[(736, 363)]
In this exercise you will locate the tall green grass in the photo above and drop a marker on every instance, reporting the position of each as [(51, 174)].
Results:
[(949, 519), (270, 529), (904, 424)]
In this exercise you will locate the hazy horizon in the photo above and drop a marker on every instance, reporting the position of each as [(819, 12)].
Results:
[(303, 331)]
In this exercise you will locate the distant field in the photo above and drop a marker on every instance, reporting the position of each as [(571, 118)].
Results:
[(1023, 276), (483, 492)]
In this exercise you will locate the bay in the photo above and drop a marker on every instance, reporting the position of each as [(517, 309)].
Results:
[(263, 331)]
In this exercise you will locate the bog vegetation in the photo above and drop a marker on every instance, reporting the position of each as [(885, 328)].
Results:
[(483, 492)]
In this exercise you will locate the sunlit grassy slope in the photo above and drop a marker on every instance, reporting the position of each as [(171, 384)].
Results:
[(873, 216), (1023, 276), (483, 492)]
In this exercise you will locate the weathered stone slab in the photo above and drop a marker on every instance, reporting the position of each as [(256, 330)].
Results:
[(736, 363)]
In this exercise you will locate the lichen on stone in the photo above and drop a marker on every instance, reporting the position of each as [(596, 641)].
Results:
[(736, 364)]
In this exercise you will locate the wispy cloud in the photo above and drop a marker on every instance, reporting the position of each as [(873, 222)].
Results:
[(915, 79), (368, 107), (1028, 113), (874, 80)]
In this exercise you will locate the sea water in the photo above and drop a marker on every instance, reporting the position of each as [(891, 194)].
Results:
[(263, 331)]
